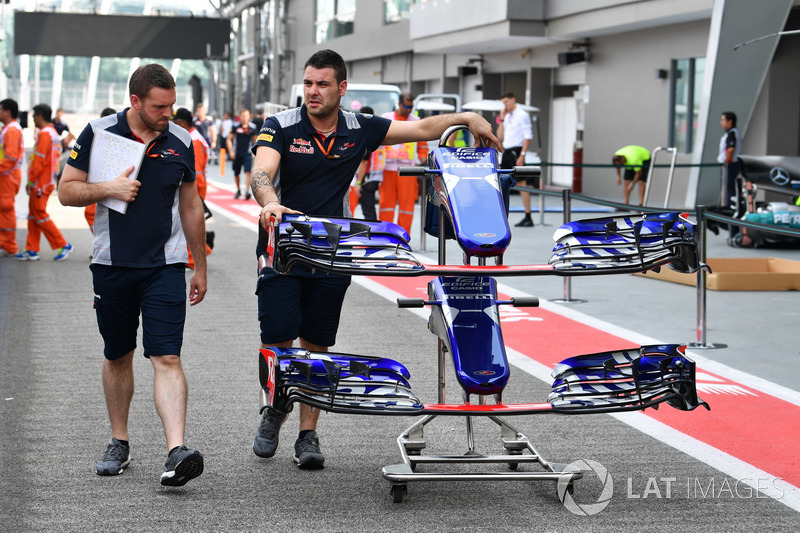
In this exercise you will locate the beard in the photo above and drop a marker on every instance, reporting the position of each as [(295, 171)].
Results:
[(325, 110), (155, 125)]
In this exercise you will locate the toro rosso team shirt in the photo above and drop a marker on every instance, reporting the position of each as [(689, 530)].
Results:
[(315, 172), (149, 234)]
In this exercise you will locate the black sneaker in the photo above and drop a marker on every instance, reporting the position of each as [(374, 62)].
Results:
[(247, 195), (306, 452), (210, 239), (266, 442), (237, 195), (182, 465), (116, 457), (524, 223)]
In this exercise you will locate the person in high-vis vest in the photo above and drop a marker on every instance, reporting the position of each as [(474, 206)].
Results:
[(42, 173), (12, 151), (397, 191), (636, 162), (183, 118)]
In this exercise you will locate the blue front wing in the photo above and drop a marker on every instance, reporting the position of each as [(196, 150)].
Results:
[(617, 381)]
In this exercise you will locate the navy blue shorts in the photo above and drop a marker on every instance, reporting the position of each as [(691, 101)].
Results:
[(121, 293), (300, 305), (242, 160)]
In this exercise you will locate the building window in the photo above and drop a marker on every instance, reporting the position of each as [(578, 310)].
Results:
[(686, 84), (395, 11), (334, 18)]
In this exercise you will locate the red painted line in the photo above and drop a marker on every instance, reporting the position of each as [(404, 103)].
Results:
[(247, 210), (752, 426)]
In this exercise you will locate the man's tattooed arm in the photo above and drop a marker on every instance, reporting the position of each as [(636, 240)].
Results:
[(261, 185)]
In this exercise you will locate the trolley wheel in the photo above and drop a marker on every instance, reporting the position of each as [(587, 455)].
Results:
[(398, 492), (513, 466)]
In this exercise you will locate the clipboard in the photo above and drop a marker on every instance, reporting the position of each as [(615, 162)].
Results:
[(111, 155)]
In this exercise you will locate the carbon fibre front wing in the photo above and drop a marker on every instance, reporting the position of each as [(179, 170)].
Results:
[(616, 381), (614, 245)]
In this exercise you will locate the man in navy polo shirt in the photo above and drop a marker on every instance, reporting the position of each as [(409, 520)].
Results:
[(138, 264), (305, 159)]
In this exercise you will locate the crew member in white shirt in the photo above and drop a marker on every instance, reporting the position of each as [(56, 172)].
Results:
[(515, 132)]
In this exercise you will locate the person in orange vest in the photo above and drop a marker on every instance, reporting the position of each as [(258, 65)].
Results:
[(362, 192), (183, 118), (11, 152), (396, 191), (42, 172)]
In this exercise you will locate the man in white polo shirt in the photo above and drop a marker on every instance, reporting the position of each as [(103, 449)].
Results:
[(515, 132)]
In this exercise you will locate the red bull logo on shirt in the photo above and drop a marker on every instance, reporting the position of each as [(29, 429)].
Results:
[(301, 149)]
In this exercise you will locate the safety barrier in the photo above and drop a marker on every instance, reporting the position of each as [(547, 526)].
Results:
[(701, 214)]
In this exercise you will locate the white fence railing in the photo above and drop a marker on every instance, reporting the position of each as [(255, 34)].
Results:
[(74, 95)]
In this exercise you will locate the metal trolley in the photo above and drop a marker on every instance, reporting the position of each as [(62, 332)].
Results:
[(467, 202)]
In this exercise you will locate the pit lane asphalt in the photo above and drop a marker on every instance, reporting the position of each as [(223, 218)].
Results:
[(53, 424)]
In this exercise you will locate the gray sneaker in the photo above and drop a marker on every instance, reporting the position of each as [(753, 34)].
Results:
[(266, 442), (182, 465), (116, 457), (307, 454)]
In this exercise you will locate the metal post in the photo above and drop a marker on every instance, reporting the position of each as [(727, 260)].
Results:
[(723, 186), (442, 237), (671, 174), (441, 368), (567, 216), (701, 286), (423, 190), (674, 152), (541, 200), (567, 203)]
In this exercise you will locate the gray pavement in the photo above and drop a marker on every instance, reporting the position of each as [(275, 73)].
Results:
[(53, 424)]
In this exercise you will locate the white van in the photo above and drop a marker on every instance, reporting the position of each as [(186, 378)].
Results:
[(381, 98)]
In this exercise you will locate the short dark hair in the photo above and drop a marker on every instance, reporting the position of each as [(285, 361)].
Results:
[(406, 96), (508, 95), (11, 106), (183, 114), (328, 59), (617, 160), (731, 116), (44, 111), (146, 77), (108, 111)]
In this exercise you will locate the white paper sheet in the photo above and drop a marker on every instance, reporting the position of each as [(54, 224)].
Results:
[(111, 155)]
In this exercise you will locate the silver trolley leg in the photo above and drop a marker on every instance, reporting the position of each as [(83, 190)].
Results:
[(517, 449)]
